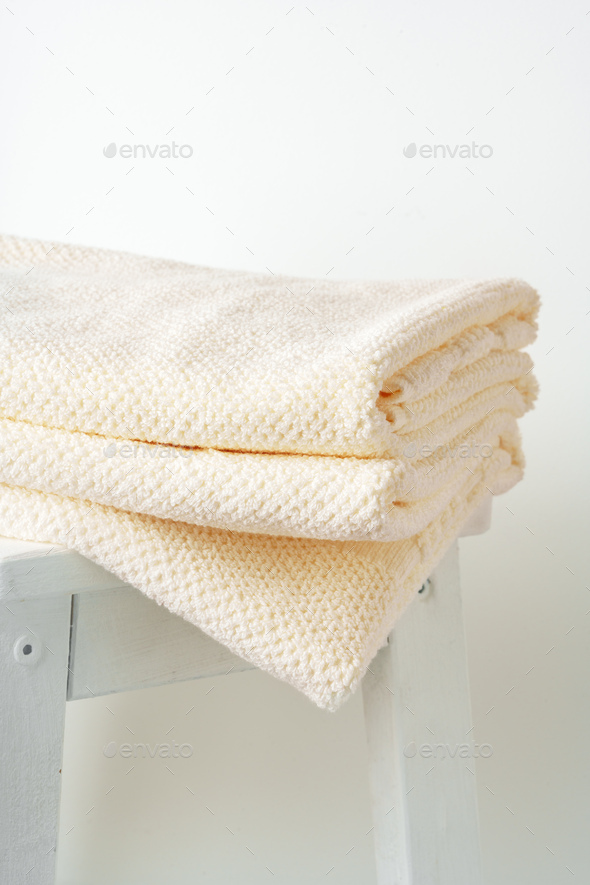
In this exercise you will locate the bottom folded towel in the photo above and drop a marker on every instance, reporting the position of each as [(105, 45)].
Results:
[(311, 612)]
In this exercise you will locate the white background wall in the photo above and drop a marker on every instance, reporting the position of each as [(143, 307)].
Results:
[(297, 118)]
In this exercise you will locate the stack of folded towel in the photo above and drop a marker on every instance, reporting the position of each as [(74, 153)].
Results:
[(280, 461)]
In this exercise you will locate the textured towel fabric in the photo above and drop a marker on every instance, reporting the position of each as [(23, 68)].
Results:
[(303, 496), (280, 461)]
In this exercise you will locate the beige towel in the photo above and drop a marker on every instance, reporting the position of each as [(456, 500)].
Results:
[(280, 461)]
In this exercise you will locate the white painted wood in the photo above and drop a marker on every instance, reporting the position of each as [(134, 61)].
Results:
[(416, 699), (385, 740), (13, 548), (34, 647), (121, 640), (53, 572)]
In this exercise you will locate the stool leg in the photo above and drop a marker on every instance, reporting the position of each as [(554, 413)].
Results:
[(421, 744), (34, 649)]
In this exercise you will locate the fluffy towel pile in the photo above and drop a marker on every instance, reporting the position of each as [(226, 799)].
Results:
[(280, 461)]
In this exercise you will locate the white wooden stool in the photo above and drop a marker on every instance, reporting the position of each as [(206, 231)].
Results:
[(65, 635)]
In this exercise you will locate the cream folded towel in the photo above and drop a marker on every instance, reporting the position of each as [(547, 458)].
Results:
[(280, 461)]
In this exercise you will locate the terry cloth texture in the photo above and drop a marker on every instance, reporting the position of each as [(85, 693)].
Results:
[(280, 461)]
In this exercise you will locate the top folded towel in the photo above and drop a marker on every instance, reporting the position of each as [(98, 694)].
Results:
[(158, 351)]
